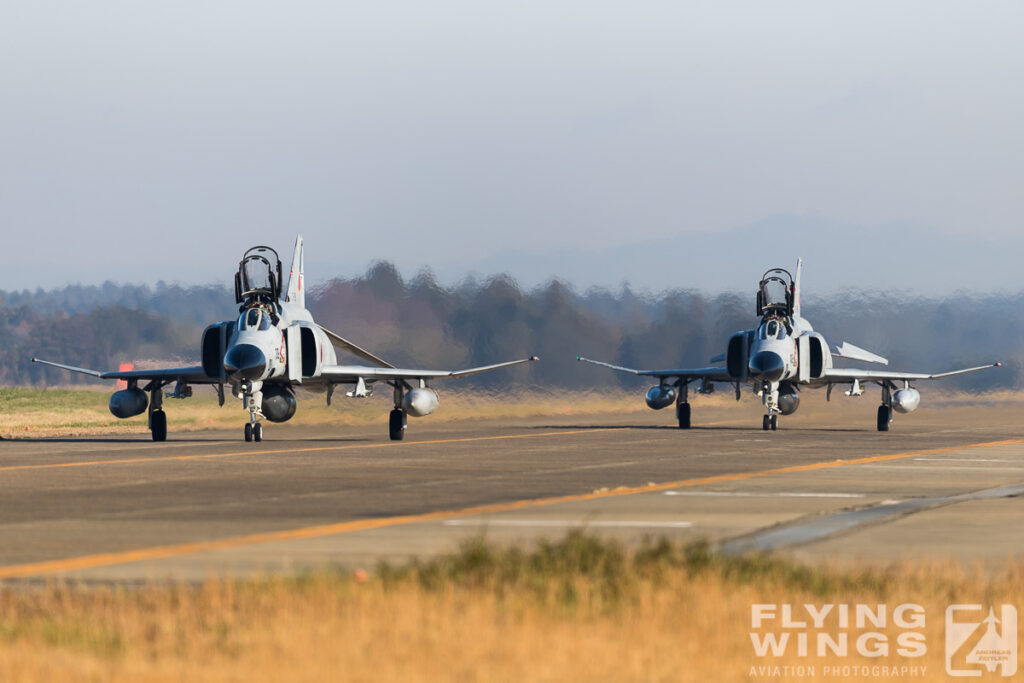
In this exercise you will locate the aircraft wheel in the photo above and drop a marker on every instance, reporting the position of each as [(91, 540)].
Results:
[(683, 413), (775, 422), (158, 425), (884, 412), (248, 431), (766, 423), (257, 432), (396, 425)]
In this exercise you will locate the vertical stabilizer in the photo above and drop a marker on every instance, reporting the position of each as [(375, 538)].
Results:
[(296, 284), (796, 288)]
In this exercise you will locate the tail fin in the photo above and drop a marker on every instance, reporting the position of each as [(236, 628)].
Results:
[(796, 287), (296, 287)]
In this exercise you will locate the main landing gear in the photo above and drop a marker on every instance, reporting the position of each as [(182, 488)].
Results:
[(683, 415), (396, 424), (682, 405), (157, 416), (158, 425), (885, 410), (398, 420)]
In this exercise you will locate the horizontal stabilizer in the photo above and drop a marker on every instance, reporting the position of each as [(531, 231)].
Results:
[(848, 350)]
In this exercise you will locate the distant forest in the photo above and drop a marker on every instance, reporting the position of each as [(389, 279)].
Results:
[(419, 323)]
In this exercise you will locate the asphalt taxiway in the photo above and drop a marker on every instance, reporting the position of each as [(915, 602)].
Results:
[(946, 482)]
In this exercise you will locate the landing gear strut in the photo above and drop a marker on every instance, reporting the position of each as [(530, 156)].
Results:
[(682, 406)]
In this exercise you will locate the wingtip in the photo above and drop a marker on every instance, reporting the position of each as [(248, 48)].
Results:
[(998, 365), (534, 357)]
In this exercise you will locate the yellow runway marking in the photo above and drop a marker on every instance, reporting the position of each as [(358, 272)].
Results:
[(163, 552), (238, 454)]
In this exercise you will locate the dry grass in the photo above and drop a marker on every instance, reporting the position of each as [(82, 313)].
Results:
[(578, 610), (78, 412), (81, 412)]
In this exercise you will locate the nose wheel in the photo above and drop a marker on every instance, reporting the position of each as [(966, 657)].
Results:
[(254, 432), (770, 422)]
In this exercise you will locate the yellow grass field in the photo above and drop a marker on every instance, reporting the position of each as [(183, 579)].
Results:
[(577, 610), (78, 411)]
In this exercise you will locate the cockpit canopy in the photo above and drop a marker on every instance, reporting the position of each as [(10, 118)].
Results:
[(775, 293), (254, 319), (772, 328), (259, 276)]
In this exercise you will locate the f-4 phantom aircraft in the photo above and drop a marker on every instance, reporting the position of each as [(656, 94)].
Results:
[(273, 347), (781, 356)]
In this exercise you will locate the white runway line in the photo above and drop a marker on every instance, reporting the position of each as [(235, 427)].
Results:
[(565, 523), (750, 494)]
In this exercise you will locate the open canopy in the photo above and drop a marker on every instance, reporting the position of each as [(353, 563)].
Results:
[(259, 276), (775, 293)]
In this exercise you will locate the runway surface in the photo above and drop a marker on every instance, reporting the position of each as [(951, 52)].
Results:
[(944, 483)]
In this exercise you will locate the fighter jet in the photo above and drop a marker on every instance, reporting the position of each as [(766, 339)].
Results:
[(273, 347), (781, 356)]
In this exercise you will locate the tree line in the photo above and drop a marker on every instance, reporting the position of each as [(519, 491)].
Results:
[(420, 323)]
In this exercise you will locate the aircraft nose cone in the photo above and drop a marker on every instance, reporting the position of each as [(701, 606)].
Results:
[(767, 365), (245, 361)]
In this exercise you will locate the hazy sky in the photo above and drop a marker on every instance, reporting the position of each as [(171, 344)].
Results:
[(150, 140)]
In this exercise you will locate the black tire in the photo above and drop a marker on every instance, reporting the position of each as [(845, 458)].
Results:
[(396, 425), (884, 413), (158, 425), (257, 432), (248, 431), (683, 415), (775, 422), (766, 423)]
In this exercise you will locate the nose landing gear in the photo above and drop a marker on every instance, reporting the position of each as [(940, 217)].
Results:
[(770, 398), (252, 398)]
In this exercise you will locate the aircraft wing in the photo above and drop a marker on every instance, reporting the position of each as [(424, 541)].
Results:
[(351, 373), (833, 375), (190, 375), (712, 374)]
